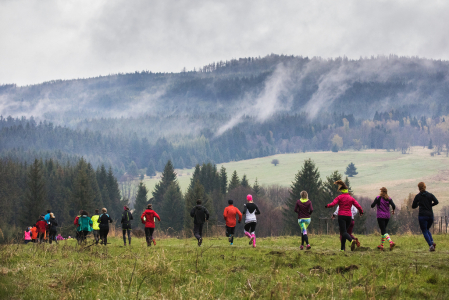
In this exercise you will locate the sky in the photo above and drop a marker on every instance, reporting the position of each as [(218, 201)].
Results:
[(43, 40)]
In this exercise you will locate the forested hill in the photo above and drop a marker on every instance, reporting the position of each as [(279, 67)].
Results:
[(257, 87)]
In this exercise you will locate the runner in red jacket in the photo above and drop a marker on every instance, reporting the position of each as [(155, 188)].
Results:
[(147, 218), (229, 215), (41, 226), (345, 202)]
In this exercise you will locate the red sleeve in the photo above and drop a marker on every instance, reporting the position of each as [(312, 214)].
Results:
[(240, 215), (333, 203), (357, 205), (157, 216), (225, 213), (76, 221)]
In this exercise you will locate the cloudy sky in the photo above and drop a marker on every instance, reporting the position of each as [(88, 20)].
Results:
[(46, 40)]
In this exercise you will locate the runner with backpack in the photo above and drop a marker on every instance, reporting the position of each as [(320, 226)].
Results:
[(200, 215), (250, 211), (383, 203), (126, 224)]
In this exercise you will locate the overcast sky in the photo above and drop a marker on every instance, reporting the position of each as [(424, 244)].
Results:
[(45, 40)]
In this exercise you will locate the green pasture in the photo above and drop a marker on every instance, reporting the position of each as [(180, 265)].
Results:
[(400, 173), (179, 269)]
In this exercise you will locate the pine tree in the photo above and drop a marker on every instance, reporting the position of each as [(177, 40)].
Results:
[(351, 170), (244, 182), (235, 181), (98, 202), (141, 200), (82, 192), (223, 180), (132, 169), (35, 197), (172, 211), (151, 170), (115, 209), (257, 189), (168, 177), (307, 179), (330, 190)]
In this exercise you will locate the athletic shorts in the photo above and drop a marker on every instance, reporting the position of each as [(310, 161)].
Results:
[(126, 226), (250, 227)]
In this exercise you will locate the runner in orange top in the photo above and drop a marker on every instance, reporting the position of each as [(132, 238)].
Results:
[(34, 234), (229, 215)]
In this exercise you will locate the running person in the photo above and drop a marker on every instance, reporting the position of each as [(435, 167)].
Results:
[(96, 226), (41, 226), (126, 224), (85, 226), (147, 218), (104, 221), (345, 202), (200, 215), (250, 211), (229, 215), (354, 212), (27, 235), (425, 201), (52, 230), (304, 209), (383, 202)]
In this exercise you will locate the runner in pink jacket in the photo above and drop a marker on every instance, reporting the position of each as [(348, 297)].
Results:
[(345, 202)]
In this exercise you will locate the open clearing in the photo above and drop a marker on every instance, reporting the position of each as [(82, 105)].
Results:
[(178, 269), (400, 173)]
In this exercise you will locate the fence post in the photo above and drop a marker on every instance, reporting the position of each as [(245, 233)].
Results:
[(441, 225)]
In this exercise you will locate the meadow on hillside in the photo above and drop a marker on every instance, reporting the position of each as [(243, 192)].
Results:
[(400, 173), (179, 269)]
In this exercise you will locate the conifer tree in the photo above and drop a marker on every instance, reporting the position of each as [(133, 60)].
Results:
[(173, 208), (132, 169), (223, 180), (141, 200), (307, 179), (168, 177), (98, 202), (35, 197), (115, 208), (256, 188), (330, 190), (151, 170), (235, 181), (82, 192), (351, 170), (244, 182)]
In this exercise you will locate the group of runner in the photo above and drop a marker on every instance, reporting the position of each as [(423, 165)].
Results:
[(347, 209)]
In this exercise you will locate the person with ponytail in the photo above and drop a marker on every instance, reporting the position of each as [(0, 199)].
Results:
[(304, 209), (425, 201), (345, 202), (383, 203), (250, 211)]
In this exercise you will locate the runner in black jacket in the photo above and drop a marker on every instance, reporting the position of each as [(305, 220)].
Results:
[(425, 201), (126, 224), (104, 221), (200, 215)]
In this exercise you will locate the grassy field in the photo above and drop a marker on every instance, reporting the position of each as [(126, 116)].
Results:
[(400, 173), (179, 269)]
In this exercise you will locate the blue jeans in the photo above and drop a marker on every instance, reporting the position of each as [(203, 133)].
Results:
[(425, 223)]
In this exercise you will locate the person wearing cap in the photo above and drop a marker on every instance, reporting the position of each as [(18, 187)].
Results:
[(425, 201), (147, 218), (126, 224), (229, 215), (96, 226), (345, 202), (104, 221), (200, 215), (250, 211), (52, 230)]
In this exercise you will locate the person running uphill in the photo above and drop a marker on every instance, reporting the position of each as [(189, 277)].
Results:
[(147, 218), (200, 215), (304, 209), (354, 212), (104, 221), (41, 226), (383, 202), (126, 224), (52, 230), (229, 215), (345, 202), (85, 226), (250, 211), (96, 226), (425, 201)]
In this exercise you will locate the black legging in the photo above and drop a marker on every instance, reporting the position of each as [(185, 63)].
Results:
[(149, 235), (52, 237), (383, 225), (104, 235), (344, 222), (129, 235)]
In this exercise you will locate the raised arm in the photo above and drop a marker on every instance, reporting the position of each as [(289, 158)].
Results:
[(333, 203)]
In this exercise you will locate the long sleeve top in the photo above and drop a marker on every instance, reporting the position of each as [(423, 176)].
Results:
[(250, 210), (354, 211), (345, 202), (229, 215), (425, 201), (383, 207), (303, 208)]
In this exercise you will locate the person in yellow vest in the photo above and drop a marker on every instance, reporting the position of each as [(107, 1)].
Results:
[(96, 226)]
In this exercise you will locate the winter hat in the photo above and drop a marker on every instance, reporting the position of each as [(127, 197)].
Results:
[(230, 201), (126, 207), (249, 198)]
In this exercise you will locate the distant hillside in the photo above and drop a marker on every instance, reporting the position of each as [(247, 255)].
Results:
[(256, 87)]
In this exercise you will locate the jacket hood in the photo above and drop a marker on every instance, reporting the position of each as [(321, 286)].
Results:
[(84, 216)]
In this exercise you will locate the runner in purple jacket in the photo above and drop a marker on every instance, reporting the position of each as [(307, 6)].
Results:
[(383, 202), (304, 209)]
